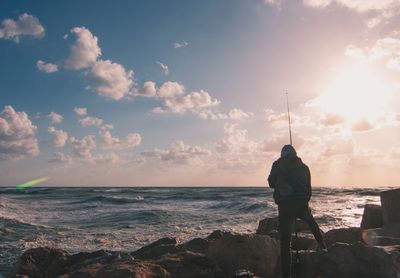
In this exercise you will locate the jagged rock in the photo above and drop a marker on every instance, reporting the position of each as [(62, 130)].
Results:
[(257, 253), (388, 235), (217, 234), (351, 260), (344, 235), (156, 249), (372, 217)]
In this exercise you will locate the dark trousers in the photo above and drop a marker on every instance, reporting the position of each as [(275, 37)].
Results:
[(288, 212)]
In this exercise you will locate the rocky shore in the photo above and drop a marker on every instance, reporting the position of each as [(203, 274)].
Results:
[(372, 250)]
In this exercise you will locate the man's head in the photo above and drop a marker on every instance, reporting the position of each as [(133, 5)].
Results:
[(288, 150)]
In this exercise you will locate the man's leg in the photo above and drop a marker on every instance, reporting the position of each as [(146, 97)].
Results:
[(285, 231), (307, 216)]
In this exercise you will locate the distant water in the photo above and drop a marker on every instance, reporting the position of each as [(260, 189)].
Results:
[(86, 219)]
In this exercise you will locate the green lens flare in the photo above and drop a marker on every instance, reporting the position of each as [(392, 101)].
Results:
[(32, 182)]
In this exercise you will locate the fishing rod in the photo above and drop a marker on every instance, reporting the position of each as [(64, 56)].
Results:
[(288, 115)]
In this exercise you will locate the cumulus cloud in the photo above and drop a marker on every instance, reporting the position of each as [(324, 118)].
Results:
[(233, 139), (111, 158), (338, 146), (233, 114), (46, 67), (331, 119), (25, 25), (163, 67), (85, 51), (180, 44), (275, 142), (80, 111), (171, 90), (17, 135), (55, 118), (192, 101), (83, 148), (178, 153), (281, 119), (91, 121), (362, 125), (59, 136), (147, 90), (59, 157), (110, 79), (131, 140)]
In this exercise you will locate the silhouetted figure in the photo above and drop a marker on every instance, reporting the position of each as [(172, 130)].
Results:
[(291, 180)]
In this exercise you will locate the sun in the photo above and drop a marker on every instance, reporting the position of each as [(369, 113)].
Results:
[(355, 94)]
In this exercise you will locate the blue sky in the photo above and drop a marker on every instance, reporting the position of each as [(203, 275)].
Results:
[(192, 92)]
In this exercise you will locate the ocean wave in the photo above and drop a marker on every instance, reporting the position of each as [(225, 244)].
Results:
[(110, 199)]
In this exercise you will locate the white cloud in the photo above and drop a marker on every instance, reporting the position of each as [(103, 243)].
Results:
[(25, 25), (131, 140), (171, 90), (85, 51), (55, 118), (362, 124), (192, 101), (91, 121), (281, 119), (163, 67), (84, 147), (17, 135), (178, 153), (330, 119), (234, 138), (46, 67), (59, 157), (233, 114), (59, 136), (357, 5), (80, 111), (148, 90), (111, 158), (338, 146), (110, 79), (180, 44)]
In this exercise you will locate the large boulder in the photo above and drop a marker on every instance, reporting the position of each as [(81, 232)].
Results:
[(390, 201), (344, 235), (372, 217), (388, 235), (351, 260), (257, 253)]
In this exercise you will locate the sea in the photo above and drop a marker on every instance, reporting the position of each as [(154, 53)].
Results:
[(127, 218)]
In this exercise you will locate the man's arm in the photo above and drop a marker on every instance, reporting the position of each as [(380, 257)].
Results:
[(273, 176)]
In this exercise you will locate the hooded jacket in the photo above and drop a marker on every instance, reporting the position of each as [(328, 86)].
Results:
[(291, 180)]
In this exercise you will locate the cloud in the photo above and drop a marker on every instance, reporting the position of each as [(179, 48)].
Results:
[(178, 153), (276, 141), (171, 89), (85, 51), (25, 25), (338, 146), (59, 157), (362, 125), (331, 119), (91, 121), (110, 79), (233, 114), (192, 101), (46, 67), (59, 136), (357, 5), (148, 90), (163, 67), (17, 135), (233, 139), (111, 158), (281, 119), (84, 147), (55, 118), (131, 140), (80, 111), (180, 44)]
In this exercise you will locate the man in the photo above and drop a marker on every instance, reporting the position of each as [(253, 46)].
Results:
[(291, 180)]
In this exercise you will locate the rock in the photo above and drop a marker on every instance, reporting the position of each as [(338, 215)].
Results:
[(157, 249), (390, 201), (268, 225), (388, 235), (344, 235), (217, 234), (372, 217), (199, 245), (347, 261), (304, 241), (257, 253)]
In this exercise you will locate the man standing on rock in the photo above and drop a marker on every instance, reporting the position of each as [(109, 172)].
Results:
[(291, 180)]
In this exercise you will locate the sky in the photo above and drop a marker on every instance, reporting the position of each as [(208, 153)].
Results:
[(193, 93)]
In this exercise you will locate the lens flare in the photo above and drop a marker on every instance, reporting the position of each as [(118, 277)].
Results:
[(32, 182)]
